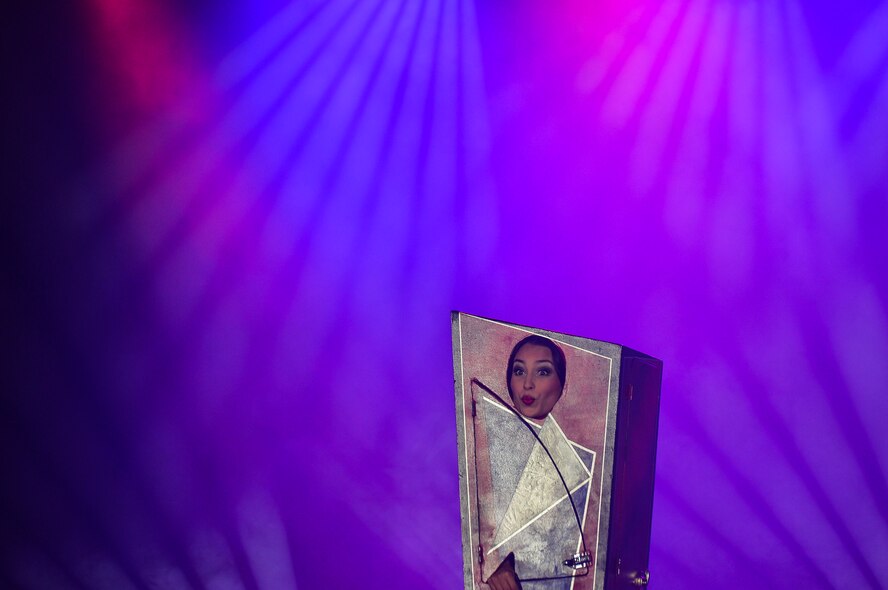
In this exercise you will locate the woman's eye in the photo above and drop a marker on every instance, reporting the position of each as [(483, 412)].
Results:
[(544, 372), (518, 371)]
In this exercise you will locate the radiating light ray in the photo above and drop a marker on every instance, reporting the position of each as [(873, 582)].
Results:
[(731, 247), (156, 73), (858, 330), (285, 126), (399, 518), (145, 150), (809, 421), (476, 182), (601, 71), (758, 502), (437, 180), (831, 186), (354, 202), (295, 291), (252, 54), (103, 573), (713, 535), (348, 180), (658, 118), (622, 98), (863, 58), (869, 146), (748, 539), (291, 214), (387, 212), (372, 122), (162, 575), (213, 561), (198, 271), (303, 185), (265, 540), (783, 166), (593, 72), (801, 484), (780, 134), (342, 107), (854, 318), (138, 157), (729, 235), (164, 206), (144, 46), (293, 196), (688, 184), (671, 558), (207, 237), (743, 73), (394, 232)]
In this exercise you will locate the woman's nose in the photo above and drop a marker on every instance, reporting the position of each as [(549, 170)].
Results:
[(528, 381)]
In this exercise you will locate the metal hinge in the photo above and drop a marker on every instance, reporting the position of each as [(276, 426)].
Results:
[(641, 579)]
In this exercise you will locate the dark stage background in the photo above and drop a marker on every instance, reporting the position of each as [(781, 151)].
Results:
[(233, 233)]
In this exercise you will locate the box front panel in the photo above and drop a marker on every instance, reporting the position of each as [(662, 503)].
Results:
[(533, 462)]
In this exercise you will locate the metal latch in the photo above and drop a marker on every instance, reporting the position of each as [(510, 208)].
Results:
[(641, 579), (579, 561)]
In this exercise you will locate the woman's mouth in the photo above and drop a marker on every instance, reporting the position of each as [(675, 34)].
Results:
[(527, 400)]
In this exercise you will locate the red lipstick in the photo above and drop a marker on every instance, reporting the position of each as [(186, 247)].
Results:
[(527, 400)]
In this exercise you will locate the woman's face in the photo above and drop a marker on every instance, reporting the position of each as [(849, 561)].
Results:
[(534, 382)]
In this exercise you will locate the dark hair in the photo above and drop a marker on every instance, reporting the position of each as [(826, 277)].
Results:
[(557, 358)]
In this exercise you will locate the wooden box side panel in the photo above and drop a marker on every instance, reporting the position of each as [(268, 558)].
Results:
[(634, 469)]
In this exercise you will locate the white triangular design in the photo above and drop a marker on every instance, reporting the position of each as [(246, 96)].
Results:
[(539, 487)]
